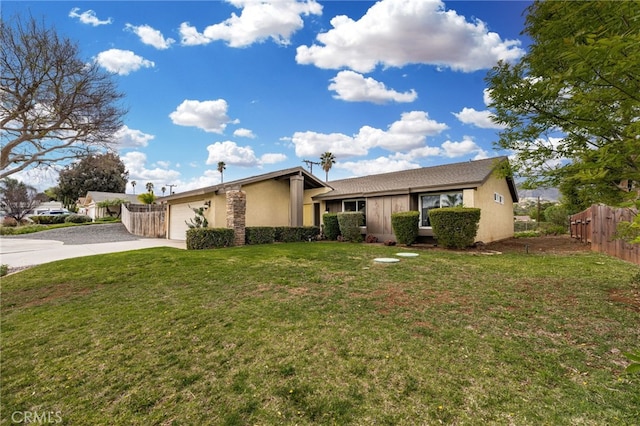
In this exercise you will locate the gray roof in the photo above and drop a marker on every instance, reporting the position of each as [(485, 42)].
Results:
[(310, 181), (98, 197), (469, 174)]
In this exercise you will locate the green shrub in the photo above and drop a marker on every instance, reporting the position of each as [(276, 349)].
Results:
[(350, 223), (455, 227), (405, 226), (331, 226), (293, 234), (207, 238), (107, 219), (557, 215), (260, 234), (44, 219), (4, 270), (553, 230), (77, 218)]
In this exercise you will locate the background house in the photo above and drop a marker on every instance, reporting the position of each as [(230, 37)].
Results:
[(468, 184), (89, 205), (294, 197)]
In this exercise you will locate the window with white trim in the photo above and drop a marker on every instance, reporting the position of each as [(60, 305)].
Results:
[(498, 198), (358, 205), (436, 201)]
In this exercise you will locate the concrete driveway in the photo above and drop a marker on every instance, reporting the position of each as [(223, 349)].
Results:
[(47, 246)]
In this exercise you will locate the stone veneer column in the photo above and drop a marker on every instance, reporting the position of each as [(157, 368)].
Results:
[(236, 214)]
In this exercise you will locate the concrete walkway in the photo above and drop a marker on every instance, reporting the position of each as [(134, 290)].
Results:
[(21, 252)]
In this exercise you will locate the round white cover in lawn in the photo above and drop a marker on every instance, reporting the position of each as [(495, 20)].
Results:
[(386, 260), (407, 254)]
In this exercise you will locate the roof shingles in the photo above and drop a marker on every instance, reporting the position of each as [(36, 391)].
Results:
[(467, 174)]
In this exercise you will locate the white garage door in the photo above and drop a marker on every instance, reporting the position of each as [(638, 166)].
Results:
[(179, 214)]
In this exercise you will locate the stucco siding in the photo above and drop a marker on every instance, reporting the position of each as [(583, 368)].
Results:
[(496, 218), (268, 203)]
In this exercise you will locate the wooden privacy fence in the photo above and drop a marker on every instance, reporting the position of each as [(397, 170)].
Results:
[(597, 226), (144, 220)]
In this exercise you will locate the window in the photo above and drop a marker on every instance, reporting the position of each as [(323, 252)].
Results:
[(435, 201), (356, 206), (498, 198)]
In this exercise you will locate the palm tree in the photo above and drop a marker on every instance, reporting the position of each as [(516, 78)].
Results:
[(163, 189), (221, 168), (133, 185), (149, 186), (326, 161)]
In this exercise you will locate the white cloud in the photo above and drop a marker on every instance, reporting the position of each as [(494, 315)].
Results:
[(191, 36), (151, 36), (395, 33), (480, 119), (136, 163), (407, 133), (210, 116), (131, 138), (232, 154), (312, 144), (353, 87), (465, 147), (209, 178), (244, 133), (88, 17), (122, 62), (272, 158), (486, 96), (376, 166), (418, 153), (258, 21)]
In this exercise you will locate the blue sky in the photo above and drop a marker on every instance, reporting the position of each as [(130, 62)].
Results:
[(264, 85)]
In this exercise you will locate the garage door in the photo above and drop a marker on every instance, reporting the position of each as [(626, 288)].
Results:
[(179, 214)]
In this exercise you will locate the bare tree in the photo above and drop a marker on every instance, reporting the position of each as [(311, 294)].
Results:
[(17, 198), (53, 105)]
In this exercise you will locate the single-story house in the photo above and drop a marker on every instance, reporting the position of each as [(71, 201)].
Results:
[(294, 197), (468, 184), (279, 198), (89, 205)]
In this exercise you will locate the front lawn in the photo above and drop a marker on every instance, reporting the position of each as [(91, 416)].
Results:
[(317, 333)]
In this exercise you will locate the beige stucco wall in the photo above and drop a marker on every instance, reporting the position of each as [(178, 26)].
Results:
[(496, 220), (268, 203), (308, 205)]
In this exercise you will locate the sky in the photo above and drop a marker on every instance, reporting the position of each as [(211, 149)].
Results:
[(264, 85)]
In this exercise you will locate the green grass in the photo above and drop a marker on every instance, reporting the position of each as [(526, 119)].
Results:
[(316, 333), (36, 227)]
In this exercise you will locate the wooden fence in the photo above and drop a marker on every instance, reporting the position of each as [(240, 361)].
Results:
[(145, 220), (597, 226)]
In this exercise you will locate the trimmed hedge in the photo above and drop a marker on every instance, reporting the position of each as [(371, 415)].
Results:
[(49, 219), (260, 235), (331, 227), (350, 223), (207, 238), (455, 227), (293, 234), (283, 234), (77, 218), (405, 226)]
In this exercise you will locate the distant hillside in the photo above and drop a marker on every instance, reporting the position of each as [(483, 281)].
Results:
[(549, 194)]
